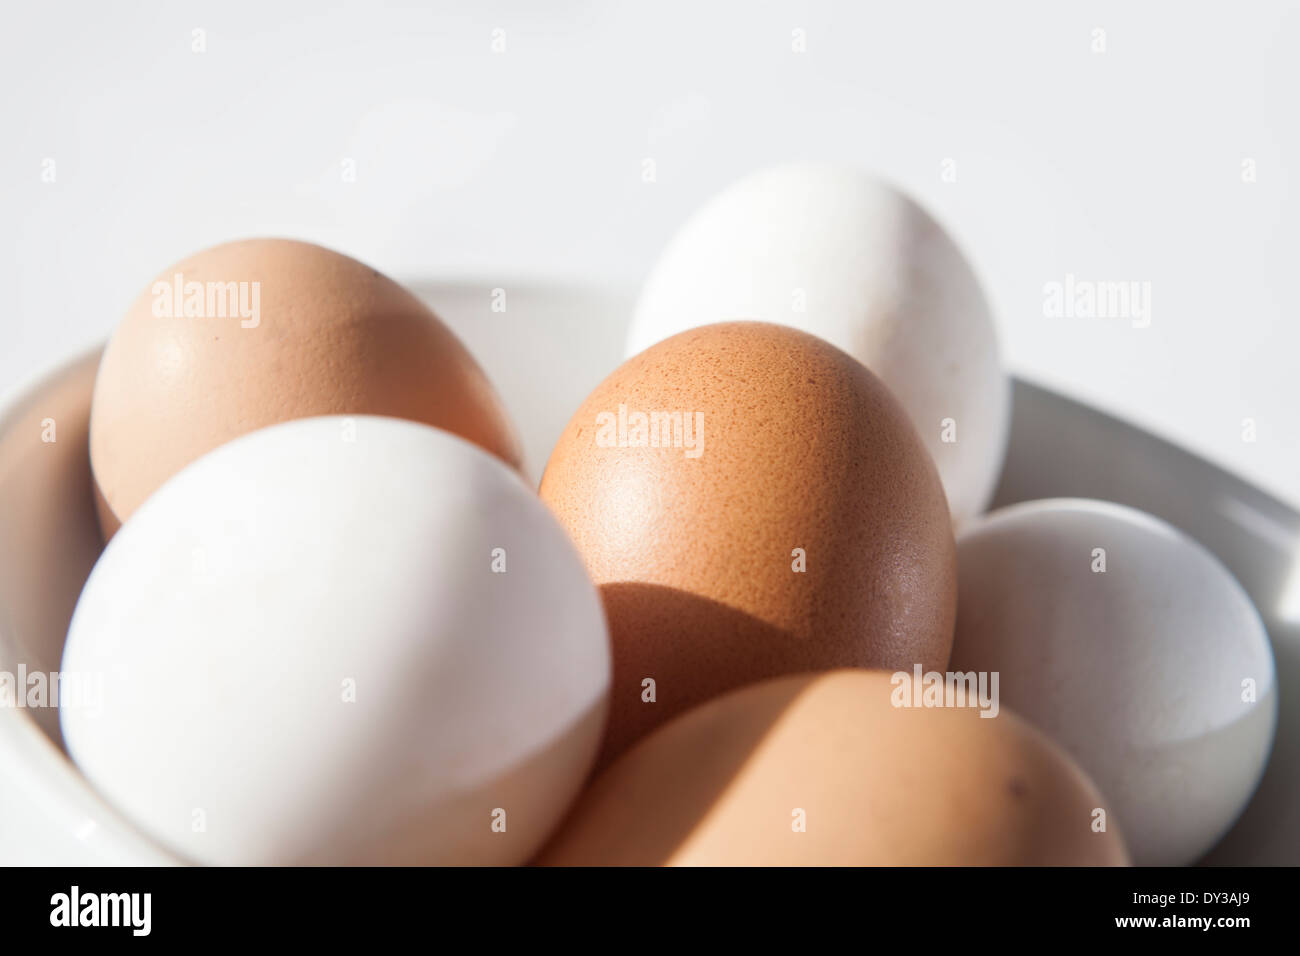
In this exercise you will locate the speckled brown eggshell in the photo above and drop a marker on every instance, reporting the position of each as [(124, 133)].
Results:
[(803, 448), (333, 336), (825, 770)]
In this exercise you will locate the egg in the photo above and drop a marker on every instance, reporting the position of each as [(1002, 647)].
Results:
[(1134, 648), (839, 254), (252, 333), (341, 640), (752, 502), (829, 770)]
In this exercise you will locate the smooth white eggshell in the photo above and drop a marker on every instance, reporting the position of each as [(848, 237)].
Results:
[(839, 254), (1138, 671), (234, 612)]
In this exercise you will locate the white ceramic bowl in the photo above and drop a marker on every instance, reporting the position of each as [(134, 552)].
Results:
[(545, 353)]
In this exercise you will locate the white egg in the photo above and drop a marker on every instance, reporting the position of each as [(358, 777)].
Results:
[(1134, 648), (838, 254), (341, 640)]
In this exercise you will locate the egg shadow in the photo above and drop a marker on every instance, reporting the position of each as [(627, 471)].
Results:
[(644, 830), (694, 649), (673, 637)]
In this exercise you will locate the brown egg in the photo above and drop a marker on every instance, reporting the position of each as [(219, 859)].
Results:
[(826, 770), (793, 522), (252, 333)]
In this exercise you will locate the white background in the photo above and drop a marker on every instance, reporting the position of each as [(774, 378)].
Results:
[(527, 164)]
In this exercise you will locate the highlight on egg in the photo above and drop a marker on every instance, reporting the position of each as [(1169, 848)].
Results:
[(752, 502), (260, 331)]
